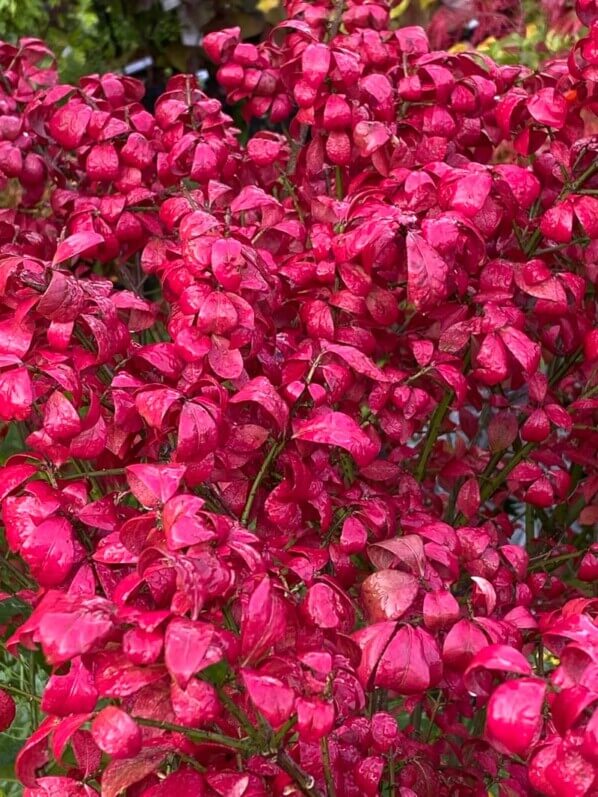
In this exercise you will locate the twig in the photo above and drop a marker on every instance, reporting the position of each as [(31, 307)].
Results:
[(91, 474), (335, 20), (272, 454), (305, 782), (328, 776), (196, 736), (433, 432)]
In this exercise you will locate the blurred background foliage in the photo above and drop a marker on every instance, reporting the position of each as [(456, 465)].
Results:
[(109, 35)]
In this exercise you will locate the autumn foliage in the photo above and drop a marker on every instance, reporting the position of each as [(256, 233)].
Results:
[(305, 483)]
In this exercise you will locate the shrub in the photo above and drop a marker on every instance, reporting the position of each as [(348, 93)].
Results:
[(304, 475)]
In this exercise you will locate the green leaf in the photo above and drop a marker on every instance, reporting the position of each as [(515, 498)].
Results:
[(13, 607), (10, 748), (216, 674)]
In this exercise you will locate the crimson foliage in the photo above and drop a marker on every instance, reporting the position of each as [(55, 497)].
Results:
[(308, 478)]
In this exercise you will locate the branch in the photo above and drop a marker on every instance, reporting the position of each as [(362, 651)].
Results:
[(334, 23), (305, 782)]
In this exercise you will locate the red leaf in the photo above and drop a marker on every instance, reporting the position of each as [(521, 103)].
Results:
[(410, 663), (34, 754), (50, 551), (315, 63), (63, 299), (440, 609), (461, 644), (468, 499), (8, 710), (68, 632), (358, 361), (119, 775), (427, 273), (261, 391), (407, 550), (315, 718), (196, 706), (263, 622), (388, 594)]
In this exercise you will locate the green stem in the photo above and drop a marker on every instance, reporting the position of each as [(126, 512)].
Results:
[(206, 737), (328, 777), (491, 487), (545, 561), (271, 456), (91, 474), (433, 432), (391, 775), (338, 175), (593, 167), (19, 692), (416, 718), (305, 782), (32, 684), (22, 578), (283, 730), (529, 526), (237, 713)]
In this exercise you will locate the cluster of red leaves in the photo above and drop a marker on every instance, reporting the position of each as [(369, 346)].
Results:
[(288, 408)]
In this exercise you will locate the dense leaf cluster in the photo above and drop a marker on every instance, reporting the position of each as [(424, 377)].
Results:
[(305, 481)]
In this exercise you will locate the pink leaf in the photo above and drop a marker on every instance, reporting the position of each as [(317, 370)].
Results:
[(315, 718), (358, 361), (50, 551), (440, 609), (559, 769), (548, 108), (77, 244), (187, 648), (410, 663), (494, 657), (196, 706), (514, 715), (263, 622), (68, 632), (153, 485), (270, 696), (116, 733), (16, 395), (315, 63), (338, 429), (12, 476)]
